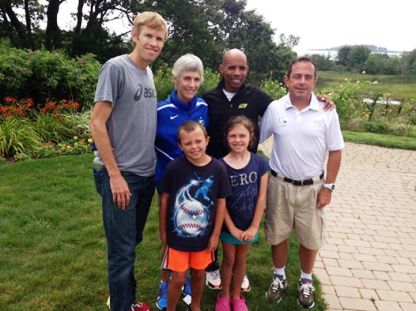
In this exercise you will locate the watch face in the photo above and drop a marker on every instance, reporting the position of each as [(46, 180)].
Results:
[(330, 186)]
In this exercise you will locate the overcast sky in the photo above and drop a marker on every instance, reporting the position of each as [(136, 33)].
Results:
[(331, 23)]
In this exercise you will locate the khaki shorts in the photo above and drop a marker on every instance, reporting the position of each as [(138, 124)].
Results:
[(294, 207)]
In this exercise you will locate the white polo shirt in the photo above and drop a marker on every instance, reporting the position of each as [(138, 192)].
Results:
[(301, 139)]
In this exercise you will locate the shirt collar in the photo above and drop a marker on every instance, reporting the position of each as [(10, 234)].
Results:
[(313, 105)]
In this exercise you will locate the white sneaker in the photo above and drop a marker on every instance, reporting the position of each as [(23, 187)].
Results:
[(108, 302), (213, 279), (245, 285)]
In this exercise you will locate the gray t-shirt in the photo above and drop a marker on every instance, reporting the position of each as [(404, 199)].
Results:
[(132, 124)]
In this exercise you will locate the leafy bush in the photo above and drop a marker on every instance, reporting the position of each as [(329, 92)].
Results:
[(348, 101), (273, 88), (164, 82), (52, 128), (376, 127), (15, 69), (18, 139), (44, 75)]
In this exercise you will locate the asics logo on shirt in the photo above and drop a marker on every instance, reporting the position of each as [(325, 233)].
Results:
[(173, 117), (146, 92)]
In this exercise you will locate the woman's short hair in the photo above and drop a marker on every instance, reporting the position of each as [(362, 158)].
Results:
[(188, 62)]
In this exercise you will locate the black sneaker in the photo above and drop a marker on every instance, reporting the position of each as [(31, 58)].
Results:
[(306, 294), (276, 288)]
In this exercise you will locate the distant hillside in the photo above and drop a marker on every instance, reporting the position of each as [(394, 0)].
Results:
[(373, 48)]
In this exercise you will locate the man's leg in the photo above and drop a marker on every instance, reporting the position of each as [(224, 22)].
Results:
[(124, 229), (280, 253), (307, 259)]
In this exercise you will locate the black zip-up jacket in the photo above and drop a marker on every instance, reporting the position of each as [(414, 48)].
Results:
[(249, 101)]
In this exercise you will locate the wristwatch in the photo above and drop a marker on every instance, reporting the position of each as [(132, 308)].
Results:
[(330, 187)]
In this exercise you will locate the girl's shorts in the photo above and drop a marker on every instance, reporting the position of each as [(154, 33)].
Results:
[(230, 239)]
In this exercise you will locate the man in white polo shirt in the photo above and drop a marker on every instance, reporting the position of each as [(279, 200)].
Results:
[(298, 191)]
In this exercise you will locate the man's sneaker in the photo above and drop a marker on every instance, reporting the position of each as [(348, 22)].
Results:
[(186, 292), (140, 306), (213, 279), (245, 285), (305, 294), (108, 303), (162, 299), (275, 291)]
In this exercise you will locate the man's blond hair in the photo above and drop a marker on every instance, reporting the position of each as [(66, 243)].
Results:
[(150, 19)]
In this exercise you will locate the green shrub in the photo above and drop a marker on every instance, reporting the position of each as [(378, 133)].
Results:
[(15, 69), (273, 88), (52, 128), (376, 127), (211, 79), (18, 139), (164, 82), (79, 123), (44, 75), (348, 101)]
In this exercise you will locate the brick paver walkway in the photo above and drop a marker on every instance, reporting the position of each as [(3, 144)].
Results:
[(369, 262)]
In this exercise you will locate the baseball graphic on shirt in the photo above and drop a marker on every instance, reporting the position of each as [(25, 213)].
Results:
[(191, 218), (190, 214)]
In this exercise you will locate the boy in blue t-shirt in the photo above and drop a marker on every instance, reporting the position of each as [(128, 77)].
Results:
[(191, 212)]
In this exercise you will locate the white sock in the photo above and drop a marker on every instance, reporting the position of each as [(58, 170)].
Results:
[(280, 271), (304, 275)]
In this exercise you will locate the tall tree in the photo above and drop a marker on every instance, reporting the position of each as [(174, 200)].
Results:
[(53, 33)]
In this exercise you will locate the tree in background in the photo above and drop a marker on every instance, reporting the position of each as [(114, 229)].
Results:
[(204, 27), (383, 64), (409, 63), (323, 63), (353, 57)]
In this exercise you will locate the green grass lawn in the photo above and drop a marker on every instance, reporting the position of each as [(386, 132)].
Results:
[(383, 140), (399, 87), (53, 250)]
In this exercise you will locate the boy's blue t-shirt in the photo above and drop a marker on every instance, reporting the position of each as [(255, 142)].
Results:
[(192, 206), (245, 185)]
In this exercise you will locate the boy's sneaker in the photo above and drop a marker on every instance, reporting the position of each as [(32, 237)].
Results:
[(245, 285), (186, 292), (140, 306), (162, 299), (213, 279), (239, 304), (275, 291), (305, 293)]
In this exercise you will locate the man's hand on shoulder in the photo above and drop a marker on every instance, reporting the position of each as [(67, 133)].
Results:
[(329, 104)]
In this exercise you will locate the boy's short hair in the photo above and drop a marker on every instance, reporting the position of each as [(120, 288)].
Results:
[(188, 62), (152, 20), (190, 126)]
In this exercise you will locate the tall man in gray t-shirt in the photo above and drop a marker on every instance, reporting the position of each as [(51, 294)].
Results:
[(123, 126)]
